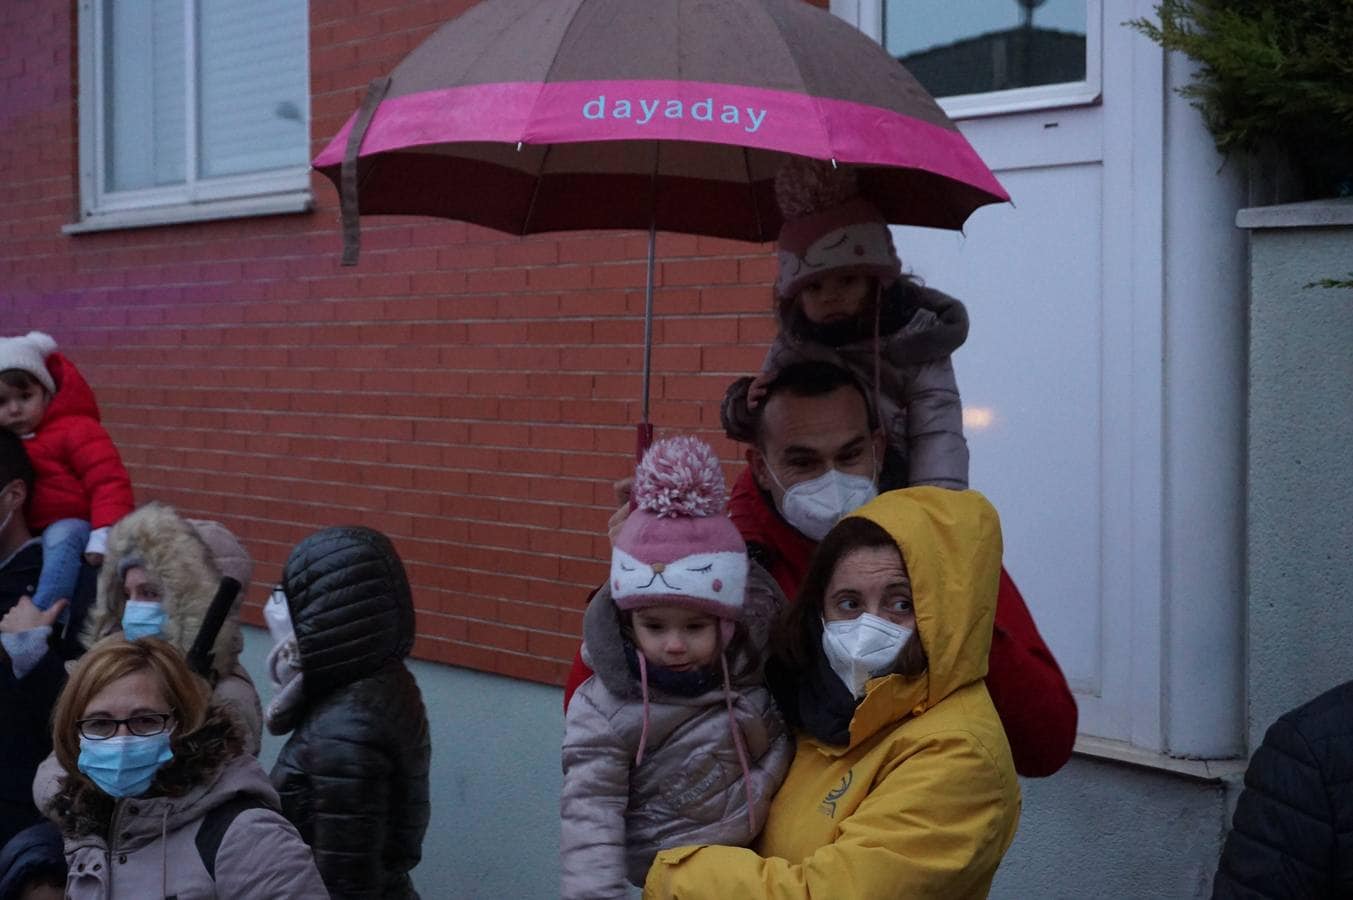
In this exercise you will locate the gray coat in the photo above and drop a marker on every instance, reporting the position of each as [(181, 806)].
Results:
[(689, 788), (919, 403), (142, 847)]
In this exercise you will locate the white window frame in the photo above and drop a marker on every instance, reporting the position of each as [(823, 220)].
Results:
[(867, 15), (275, 192)]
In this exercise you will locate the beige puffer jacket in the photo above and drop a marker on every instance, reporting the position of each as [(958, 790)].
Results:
[(689, 788)]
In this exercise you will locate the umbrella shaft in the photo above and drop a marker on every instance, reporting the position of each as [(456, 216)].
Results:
[(648, 314)]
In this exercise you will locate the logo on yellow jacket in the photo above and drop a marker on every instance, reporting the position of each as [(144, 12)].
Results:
[(828, 805)]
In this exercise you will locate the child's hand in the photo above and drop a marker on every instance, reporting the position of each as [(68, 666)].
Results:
[(24, 616), (756, 391), (734, 415), (94, 559), (622, 497)]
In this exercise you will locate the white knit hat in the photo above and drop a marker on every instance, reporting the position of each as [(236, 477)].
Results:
[(29, 354)]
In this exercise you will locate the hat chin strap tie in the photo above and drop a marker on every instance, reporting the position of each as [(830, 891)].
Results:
[(643, 689), (878, 327), (739, 743)]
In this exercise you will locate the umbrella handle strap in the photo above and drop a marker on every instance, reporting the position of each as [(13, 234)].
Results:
[(347, 180), (643, 439)]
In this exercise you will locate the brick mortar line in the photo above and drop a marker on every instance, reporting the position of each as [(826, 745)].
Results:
[(292, 456), (506, 499), (412, 515)]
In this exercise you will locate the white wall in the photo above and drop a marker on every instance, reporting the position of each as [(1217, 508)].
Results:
[(1104, 383)]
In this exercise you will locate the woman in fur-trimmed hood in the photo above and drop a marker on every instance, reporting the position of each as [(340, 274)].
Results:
[(183, 561)]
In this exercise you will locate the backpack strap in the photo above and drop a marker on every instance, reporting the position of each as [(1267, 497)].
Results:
[(215, 825)]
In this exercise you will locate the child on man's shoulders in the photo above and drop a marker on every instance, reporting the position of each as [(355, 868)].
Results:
[(82, 488)]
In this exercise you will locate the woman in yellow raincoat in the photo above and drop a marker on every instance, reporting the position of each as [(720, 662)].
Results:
[(902, 784)]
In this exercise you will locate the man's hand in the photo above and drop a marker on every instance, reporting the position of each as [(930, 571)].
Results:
[(756, 391), (24, 616), (622, 497), (94, 559)]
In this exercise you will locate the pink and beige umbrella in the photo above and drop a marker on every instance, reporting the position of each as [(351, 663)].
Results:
[(549, 115)]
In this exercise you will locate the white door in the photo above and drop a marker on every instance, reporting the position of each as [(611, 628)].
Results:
[(1061, 373)]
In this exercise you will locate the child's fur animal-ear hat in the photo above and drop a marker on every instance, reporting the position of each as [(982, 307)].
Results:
[(28, 353), (678, 547), (829, 227)]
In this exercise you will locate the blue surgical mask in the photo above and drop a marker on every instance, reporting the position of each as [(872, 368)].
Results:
[(142, 618), (124, 765)]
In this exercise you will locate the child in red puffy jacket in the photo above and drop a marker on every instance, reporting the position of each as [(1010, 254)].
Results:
[(82, 487)]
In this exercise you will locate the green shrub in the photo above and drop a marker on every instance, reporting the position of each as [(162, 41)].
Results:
[(1333, 283), (1273, 73)]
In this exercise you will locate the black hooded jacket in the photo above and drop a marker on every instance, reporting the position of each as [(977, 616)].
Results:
[(26, 703), (1292, 835), (353, 777)]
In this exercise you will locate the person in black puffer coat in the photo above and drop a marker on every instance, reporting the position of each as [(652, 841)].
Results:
[(353, 777), (1292, 835)]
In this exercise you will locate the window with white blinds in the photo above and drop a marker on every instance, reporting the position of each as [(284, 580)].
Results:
[(193, 109), (253, 86)]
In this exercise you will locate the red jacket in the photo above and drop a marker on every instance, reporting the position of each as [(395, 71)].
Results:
[(1026, 686), (79, 472)]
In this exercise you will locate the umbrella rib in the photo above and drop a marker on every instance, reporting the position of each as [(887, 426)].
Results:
[(535, 190), (486, 48), (808, 90), (751, 190), (540, 174), (559, 47)]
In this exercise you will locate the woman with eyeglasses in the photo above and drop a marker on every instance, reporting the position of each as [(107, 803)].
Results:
[(160, 801)]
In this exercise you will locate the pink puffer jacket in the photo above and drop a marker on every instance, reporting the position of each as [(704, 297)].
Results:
[(690, 786)]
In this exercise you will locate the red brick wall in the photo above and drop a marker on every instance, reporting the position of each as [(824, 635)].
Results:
[(471, 394)]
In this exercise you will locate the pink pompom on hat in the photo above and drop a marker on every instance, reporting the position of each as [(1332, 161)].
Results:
[(28, 353), (678, 548), (828, 228)]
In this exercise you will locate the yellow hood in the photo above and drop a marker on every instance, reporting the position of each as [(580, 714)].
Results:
[(924, 802), (951, 544)]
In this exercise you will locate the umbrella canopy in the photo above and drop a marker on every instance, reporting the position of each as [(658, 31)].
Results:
[(547, 115)]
